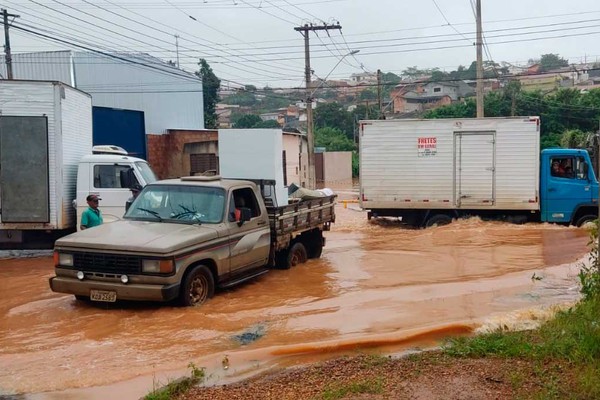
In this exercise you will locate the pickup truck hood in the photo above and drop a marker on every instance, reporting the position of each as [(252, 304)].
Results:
[(139, 236)]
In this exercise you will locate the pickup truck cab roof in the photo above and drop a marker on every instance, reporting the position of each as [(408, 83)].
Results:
[(210, 181)]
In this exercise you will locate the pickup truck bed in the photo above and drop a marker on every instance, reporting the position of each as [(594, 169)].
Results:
[(291, 220)]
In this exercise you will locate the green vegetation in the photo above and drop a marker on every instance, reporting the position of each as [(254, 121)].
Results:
[(589, 275), (210, 94), (551, 61), (244, 121), (175, 388), (367, 386), (568, 116)]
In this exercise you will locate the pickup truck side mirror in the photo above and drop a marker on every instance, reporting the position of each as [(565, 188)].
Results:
[(245, 215)]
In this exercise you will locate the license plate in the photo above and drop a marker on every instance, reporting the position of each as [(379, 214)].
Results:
[(103, 295)]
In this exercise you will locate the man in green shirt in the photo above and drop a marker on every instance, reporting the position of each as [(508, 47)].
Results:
[(92, 216)]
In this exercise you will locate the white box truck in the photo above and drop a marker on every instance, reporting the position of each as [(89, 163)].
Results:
[(45, 129), (428, 172), (46, 163)]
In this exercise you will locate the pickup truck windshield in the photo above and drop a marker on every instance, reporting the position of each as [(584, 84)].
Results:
[(180, 204)]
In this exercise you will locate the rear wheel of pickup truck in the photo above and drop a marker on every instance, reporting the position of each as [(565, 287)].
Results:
[(314, 245), (292, 257), (198, 287)]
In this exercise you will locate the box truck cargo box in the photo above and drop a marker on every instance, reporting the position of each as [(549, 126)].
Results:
[(430, 171)]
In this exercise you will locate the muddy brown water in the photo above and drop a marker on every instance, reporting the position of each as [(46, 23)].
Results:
[(377, 286)]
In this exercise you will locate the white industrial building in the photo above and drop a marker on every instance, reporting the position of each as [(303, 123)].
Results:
[(169, 97)]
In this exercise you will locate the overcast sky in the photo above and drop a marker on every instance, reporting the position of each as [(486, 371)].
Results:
[(253, 41)]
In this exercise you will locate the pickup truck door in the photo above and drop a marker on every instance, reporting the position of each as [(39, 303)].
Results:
[(249, 242)]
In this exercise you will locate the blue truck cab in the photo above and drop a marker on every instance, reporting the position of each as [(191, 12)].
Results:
[(568, 187)]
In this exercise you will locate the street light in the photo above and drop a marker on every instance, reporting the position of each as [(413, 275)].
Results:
[(309, 122)]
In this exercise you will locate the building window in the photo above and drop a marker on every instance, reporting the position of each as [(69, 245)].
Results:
[(437, 89)]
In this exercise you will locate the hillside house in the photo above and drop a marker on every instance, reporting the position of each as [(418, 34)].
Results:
[(421, 96)]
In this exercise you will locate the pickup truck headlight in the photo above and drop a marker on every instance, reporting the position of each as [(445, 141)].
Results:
[(157, 266), (63, 259)]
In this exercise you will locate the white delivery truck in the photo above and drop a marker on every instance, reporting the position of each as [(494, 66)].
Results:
[(109, 173), (428, 172), (45, 129), (45, 164)]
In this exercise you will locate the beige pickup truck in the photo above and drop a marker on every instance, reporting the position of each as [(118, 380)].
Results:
[(184, 238)]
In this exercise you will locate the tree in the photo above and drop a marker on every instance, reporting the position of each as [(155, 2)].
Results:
[(334, 115), (246, 121), (574, 139), (267, 124), (210, 94), (252, 121), (241, 98), (552, 61), (333, 140), (368, 94)]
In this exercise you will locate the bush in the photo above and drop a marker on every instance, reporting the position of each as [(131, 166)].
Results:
[(589, 276)]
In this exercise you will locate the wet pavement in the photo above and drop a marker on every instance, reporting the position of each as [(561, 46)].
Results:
[(378, 285)]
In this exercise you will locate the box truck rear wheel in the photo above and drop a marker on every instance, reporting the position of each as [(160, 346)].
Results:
[(198, 287), (438, 220)]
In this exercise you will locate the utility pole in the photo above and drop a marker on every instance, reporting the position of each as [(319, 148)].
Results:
[(177, 48), (379, 100), (479, 44), (305, 31), (8, 57)]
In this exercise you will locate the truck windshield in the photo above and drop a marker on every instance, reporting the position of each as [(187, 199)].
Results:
[(180, 204), (146, 172)]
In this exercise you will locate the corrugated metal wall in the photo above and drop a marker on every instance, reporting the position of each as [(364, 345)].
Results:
[(77, 142), (124, 128), (42, 66), (170, 98), (167, 100)]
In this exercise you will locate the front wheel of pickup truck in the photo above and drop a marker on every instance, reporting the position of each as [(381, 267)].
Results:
[(198, 287)]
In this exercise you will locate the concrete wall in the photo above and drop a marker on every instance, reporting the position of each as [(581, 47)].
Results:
[(337, 169), (168, 154)]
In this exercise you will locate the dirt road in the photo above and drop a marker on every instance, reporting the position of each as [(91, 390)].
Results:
[(377, 285)]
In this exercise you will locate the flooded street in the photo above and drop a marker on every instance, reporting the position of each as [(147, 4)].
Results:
[(377, 285)]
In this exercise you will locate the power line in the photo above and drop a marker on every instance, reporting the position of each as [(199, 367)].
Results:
[(448, 22), (180, 74)]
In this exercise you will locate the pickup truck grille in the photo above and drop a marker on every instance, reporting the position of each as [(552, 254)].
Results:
[(108, 263)]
